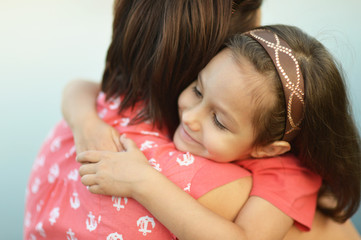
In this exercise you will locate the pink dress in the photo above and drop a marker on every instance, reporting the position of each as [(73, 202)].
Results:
[(58, 206)]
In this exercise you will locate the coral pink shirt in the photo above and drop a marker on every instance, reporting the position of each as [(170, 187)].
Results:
[(58, 206)]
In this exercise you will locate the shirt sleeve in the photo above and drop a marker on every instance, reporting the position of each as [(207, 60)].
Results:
[(286, 184), (213, 175)]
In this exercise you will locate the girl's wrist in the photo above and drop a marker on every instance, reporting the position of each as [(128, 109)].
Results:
[(143, 189)]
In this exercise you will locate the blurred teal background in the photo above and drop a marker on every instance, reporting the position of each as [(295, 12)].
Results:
[(46, 43)]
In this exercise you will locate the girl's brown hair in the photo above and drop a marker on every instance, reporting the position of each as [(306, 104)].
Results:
[(159, 46), (329, 142)]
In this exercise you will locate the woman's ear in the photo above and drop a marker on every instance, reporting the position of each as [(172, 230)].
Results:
[(271, 150)]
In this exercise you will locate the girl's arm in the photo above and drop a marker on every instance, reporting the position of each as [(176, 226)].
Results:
[(177, 210), (184, 216), (79, 111)]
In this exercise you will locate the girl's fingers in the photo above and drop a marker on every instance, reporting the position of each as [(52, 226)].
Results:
[(88, 180), (89, 157), (85, 169), (95, 189)]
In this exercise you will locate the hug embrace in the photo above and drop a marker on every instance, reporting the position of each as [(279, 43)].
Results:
[(253, 122)]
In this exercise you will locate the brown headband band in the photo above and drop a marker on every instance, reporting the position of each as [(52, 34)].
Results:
[(291, 77)]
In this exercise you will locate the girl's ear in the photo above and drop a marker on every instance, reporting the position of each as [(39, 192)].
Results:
[(271, 150)]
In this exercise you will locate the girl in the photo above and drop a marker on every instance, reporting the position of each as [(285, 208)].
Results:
[(246, 80)]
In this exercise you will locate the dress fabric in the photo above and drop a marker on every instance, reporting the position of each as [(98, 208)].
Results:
[(59, 206)]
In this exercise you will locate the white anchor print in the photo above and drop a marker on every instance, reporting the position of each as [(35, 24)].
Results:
[(73, 175), (143, 222), (188, 188), (55, 144), (124, 122), (74, 201), (118, 202), (27, 219), (187, 160), (53, 173), (32, 237), (70, 235), (71, 152), (54, 214), (102, 113), (39, 205), (154, 164), (115, 236), (39, 162), (91, 223), (40, 230), (35, 185), (150, 133), (147, 144), (114, 103)]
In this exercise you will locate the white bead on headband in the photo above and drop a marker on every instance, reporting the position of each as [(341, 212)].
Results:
[(290, 74)]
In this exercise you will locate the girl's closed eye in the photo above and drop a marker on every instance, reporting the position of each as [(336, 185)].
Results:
[(218, 123), (197, 92)]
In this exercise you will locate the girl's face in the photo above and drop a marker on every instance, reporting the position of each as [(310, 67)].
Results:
[(216, 111)]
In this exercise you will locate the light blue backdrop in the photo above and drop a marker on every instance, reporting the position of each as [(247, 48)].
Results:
[(45, 43)]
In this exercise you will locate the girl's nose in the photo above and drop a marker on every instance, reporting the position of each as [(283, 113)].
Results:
[(192, 118)]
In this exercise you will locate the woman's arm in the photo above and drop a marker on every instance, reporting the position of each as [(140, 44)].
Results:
[(79, 111)]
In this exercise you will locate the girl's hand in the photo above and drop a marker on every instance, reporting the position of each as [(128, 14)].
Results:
[(115, 173), (95, 134)]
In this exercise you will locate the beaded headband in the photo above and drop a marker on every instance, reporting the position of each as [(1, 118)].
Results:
[(235, 4), (291, 77)]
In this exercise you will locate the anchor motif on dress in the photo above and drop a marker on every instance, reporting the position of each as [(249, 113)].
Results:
[(102, 113), (54, 214), (150, 133), (32, 237), (27, 220), (74, 201), (114, 103), (154, 164), (55, 144), (70, 235), (147, 144), (143, 223), (39, 162), (35, 185), (115, 236), (187, 160), (124, 122), (118, 202), (53, 173), (73, 175), (71, 152), (40, 230), (39, 205), (91, 223), (188, 188)]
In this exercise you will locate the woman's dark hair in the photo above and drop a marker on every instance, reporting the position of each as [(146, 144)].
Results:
[(329, 142), (159, 46)]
